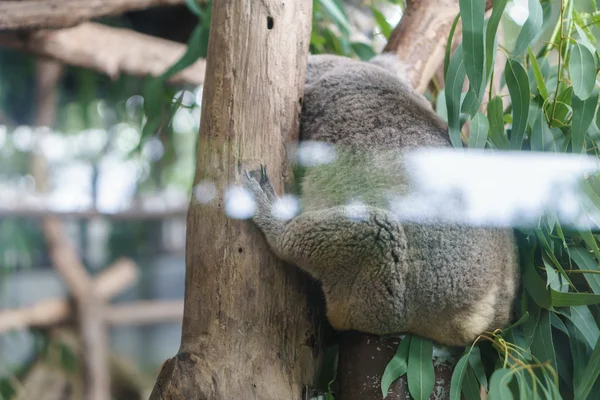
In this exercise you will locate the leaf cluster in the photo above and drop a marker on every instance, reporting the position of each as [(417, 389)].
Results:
[(553, 350)]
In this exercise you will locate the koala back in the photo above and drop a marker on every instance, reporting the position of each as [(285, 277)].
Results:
[(454, 281)]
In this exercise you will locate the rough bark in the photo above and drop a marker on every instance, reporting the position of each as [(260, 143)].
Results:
[(62, 13), (248, 329), (110, 51)]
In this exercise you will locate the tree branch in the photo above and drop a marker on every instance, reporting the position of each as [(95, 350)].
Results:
[(62, 13), (111, 51), (110, 282), (64, 256), (144, 312)]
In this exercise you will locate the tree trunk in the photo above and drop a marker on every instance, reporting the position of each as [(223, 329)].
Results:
[(248, 329)]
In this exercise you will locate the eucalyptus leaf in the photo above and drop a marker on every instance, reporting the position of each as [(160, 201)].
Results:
[(535, 285), (449, 45), (336, 12), (499, 382), (590, 375), (386, 28), (518, 88), (455, 79), (544, 138), (583, 115), (476, 363), (458, 376), (585, 322), (578, 349), (479, 131), (421, 376), (472, 15), (586, 262), (397, 366), (582, 69), (470, 387), (542, 346), (491, 37), (531, 28), (573, 299), (496, 124), (538, 75)]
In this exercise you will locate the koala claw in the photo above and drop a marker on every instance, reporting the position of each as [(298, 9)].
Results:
[(265, 183)]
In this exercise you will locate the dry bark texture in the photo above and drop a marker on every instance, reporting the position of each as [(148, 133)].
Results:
[(34, 14), (248, 329), (111, 51)]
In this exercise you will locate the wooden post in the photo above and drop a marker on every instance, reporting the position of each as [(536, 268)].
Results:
[(248, 329)]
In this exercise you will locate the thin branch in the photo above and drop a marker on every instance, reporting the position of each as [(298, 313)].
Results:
[(112, 281), (111, 51), (64, 13), (64, 256), (145, 312), (20, 211)]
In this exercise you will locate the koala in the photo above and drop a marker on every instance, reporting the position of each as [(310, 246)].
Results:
[(449, 283)]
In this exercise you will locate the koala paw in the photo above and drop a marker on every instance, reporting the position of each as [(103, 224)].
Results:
[(261, 188)]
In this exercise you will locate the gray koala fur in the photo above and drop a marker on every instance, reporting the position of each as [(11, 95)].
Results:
[(446, 283)]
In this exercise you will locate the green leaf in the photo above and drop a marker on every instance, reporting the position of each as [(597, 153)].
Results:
[(590, 374), (573, 299), (585, 322), (496, 124), (531, 28), (458, 376), (586, 262), (537, 74), (385, 26), (582, 69), (491, 37), (472, 15), (440, 105), (421, 378), (363, 51), (583, 115), (542, 346), (476, 363), (470, 104), (558, 324), (470, 387), (479, 131), (534, 284), (578, 353), (337, 14), (397, 366), (455, 79), (499, 382), (518, 88), (449, 45), (194, 7), (544, 138)]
